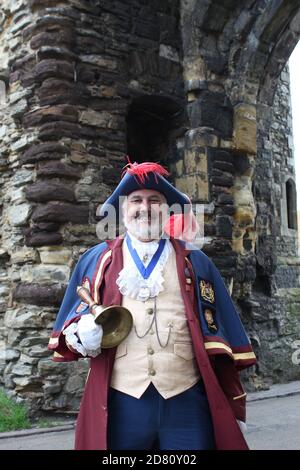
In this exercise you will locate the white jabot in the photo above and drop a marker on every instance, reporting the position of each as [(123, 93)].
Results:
[(130, 280)]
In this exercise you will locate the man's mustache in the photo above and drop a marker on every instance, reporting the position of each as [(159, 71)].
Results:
[(145, 215)]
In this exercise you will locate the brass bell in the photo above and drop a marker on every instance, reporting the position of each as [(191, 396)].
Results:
[(115, 320)]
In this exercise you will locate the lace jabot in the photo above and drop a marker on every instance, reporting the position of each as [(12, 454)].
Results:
[(131, 282)]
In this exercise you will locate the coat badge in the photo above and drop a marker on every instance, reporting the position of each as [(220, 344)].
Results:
[(207, 292), (83, 306), (209, 317)]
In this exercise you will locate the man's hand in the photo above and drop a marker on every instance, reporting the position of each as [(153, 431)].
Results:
[(89, 333)]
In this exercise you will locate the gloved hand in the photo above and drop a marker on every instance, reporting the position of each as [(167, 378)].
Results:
[(89, 333)]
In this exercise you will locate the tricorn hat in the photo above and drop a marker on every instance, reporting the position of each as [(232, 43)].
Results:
[(147, 175)]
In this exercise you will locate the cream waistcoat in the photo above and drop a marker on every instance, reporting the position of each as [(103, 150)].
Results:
[(139, 361)]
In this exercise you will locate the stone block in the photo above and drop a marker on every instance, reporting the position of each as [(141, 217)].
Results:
[(46, 226), (74, 384), (108, 63), (244, 123), (24, 142), (194, 70), (53, 169), (47, 367), (55, 255), (22, 369), (45, 274), (53, 68), (43, 238), (221, 178), (55, 130), (50, 38), (11, 354), (39, 350), (195, 161), (212, 110), (51, 388), (27, 384), (45, 151), (201, 137), (19, 108), (37, 294), (19, 215), (24, 255), (99, 119), (194, 186), (30, 341), (224, 226), (53, 91), (23, 318), (50, 113), (44, 191), (61, 212)]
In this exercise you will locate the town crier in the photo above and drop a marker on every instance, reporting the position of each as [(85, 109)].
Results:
[(173, 382)]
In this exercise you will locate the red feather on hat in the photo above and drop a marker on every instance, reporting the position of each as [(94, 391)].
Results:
[(141, 170)]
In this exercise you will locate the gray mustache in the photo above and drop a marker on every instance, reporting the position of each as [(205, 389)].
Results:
[(145, 215)]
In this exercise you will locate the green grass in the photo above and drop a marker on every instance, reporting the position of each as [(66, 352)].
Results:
[(13, 416)]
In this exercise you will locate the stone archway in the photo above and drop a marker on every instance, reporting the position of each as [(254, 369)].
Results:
[(234, 59)]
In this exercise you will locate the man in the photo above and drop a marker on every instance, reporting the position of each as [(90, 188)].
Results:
[(173, 383)]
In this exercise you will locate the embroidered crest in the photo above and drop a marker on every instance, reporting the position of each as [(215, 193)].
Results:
[(209, 317), (207, 291), (83, 306)]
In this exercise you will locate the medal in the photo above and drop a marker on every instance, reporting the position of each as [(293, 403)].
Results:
[(144, 293)]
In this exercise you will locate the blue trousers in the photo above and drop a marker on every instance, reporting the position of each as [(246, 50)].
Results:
[(182, 422)]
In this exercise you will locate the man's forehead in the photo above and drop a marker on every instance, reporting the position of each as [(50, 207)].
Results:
[(145, 193)]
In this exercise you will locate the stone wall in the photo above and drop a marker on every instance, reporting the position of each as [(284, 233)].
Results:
[(71, 70), (274, 302), (190, 83)]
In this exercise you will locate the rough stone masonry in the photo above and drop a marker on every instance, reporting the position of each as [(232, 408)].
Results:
[(200, 85)]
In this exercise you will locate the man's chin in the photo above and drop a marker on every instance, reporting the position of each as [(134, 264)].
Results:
[(145, 232)]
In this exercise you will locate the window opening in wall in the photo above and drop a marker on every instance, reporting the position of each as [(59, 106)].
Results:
[(291, 204), (153, 123)]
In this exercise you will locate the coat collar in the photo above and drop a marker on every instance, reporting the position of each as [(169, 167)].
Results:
[(179, 247)]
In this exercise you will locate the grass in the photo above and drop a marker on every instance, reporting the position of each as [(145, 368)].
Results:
[(13, 416)]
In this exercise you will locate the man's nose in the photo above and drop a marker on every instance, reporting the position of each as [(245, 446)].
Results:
[(145, 205)]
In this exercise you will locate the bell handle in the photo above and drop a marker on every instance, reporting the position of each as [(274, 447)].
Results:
[(85, 295)]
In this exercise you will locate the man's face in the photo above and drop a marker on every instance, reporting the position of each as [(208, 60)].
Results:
[(145, 212)]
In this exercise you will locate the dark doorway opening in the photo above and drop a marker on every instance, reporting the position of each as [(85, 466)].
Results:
[(153, 123)]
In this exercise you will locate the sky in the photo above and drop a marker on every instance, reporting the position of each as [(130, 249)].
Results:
[(294, 64)]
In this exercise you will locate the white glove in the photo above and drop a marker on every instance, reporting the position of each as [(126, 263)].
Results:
[(90, 334), (73, 340), (242, 425)]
